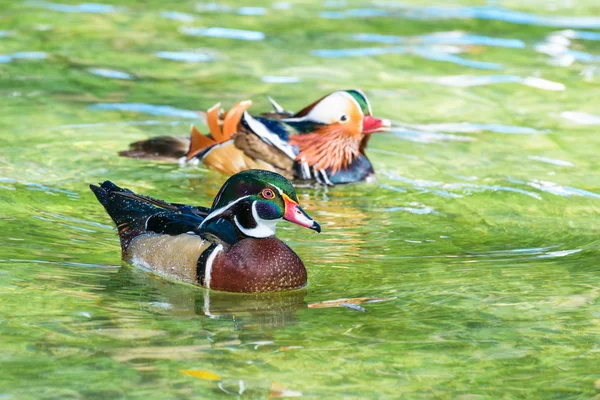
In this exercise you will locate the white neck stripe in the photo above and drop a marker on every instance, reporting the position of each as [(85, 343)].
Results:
[(220, 211), (209, 263)]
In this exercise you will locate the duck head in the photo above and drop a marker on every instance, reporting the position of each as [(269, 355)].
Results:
[(335, 129), (251, 203)]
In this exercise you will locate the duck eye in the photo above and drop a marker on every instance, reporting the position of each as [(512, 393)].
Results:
[(268, 194), (343, 118)]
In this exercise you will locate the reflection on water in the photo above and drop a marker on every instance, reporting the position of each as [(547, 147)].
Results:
[(243, 310)]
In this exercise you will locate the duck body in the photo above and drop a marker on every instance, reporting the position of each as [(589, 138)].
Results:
[(230, 246), (324, 142)]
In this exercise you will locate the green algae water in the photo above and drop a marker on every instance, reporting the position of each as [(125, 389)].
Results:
[(478, 245)]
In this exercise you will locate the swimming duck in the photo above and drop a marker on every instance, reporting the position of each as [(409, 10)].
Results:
[(230, 246), (324, 141)]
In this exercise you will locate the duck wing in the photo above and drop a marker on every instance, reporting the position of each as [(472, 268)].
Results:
[(135, 215)]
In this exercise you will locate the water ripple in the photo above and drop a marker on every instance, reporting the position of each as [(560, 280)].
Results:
[(436, 53), (227, 33), (23, 55), (581, 118), (557, 45), (178, 16), (468, 12), (415, 208), (584, 35), (110, 73), (282, 5), (458, 38), (552, 161), (480, 80), (428, 137), (280, 79), (100, 124), (185, 56), (445, 189), (471, 127), (559, 190), (93, 8), (252, 11), (212, 7), (144, 108)]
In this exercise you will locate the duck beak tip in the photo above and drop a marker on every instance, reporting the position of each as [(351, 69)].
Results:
[(372, 124), (316, 227)]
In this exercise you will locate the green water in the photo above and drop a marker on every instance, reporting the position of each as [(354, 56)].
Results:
[(481, 234)]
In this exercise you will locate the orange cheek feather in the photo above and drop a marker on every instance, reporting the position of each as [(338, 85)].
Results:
[(331, 147)]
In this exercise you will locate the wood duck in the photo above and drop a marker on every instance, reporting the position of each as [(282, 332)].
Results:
[(324, 141), (230, 246)]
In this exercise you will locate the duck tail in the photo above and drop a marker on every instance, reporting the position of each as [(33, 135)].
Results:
[(128, 210), (162, 148)]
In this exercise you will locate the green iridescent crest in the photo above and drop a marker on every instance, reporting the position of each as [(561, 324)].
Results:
[(362, 100), (251, 183)]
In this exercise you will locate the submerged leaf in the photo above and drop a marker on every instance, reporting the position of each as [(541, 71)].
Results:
[(206, 375)]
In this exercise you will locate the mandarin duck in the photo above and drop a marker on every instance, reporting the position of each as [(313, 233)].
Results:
[(230, 246), (324, 141)]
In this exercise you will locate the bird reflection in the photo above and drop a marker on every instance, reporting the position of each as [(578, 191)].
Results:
[(246, 311)]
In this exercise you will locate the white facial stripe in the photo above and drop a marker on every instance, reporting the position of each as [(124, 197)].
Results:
[(264, 227), (219, 211), (331, 108), (277, 187), (209, 263)]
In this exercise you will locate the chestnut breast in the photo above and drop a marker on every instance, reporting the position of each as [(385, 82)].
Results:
[(257, 265)]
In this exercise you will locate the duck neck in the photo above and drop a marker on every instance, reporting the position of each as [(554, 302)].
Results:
[(238, 220)]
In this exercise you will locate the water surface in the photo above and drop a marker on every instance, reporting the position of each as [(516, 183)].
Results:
[(469, 270)]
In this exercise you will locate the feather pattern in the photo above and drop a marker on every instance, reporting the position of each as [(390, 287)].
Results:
[(333, 151)]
